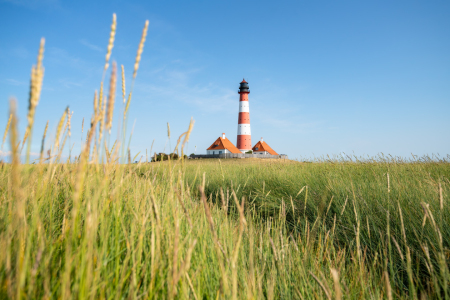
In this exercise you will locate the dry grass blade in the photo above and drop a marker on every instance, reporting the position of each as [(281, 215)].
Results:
[(186, 137), (24, 140), (222, 197), (343, 208), (398, 247), (401, 221), (127, 106), (295, 243), (337, 285), (59, 128), (15, 159), (327, 292), (191, 286), (43, 143), (188, 133), (387, 285), (425, 214), (301, 190), (329, 205)]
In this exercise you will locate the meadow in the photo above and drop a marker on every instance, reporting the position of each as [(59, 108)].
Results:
[(96, 226), (229, 229)]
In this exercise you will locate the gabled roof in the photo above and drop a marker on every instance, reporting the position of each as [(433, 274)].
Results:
[(224, 143), (262, 146)]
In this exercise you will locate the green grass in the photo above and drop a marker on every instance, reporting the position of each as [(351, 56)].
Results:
[(142, 231)]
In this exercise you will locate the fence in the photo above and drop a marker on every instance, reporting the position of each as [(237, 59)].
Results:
[(238, 155)]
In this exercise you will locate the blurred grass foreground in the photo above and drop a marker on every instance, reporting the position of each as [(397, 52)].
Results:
[(93, 228)]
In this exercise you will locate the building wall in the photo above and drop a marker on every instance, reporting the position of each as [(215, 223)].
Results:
[(223, 151), (238, 155)]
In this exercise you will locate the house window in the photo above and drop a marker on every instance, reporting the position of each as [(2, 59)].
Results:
[(220, 152)]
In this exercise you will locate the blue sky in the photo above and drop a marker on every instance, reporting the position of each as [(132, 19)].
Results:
[(326, 77)]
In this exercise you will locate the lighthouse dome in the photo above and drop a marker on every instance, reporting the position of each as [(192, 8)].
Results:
[(243, 87)]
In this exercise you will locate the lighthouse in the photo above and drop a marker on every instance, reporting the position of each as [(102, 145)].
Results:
[(244, 136)]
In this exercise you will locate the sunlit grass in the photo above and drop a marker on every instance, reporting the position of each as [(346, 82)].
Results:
[(142, 230)]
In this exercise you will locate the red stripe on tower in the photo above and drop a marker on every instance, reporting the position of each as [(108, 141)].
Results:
[(244, 136)]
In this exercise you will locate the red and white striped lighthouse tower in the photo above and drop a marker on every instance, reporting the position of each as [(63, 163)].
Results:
[(244, 136)]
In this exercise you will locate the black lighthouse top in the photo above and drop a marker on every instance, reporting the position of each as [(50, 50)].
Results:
[(243, 87)]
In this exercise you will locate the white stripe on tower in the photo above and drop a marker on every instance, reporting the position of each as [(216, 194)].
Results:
[(243, 106), (244, 129), (244, 137)]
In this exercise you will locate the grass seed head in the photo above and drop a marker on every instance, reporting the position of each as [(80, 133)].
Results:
[(15, 159), (123, 84), (6, 130), (127, 106), (140, 49), (24, 140), (59, 128), (111, 42), (95, 102), (101, 120), (111, 97), (69, 117), (37, 76), (43, 143), (100, 97)]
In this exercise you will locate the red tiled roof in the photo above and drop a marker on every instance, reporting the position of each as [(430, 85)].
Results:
[(221, 144), (262, 146)]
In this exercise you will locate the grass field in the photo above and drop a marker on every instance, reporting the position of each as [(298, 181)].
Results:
[(92, 228), (301, 230)]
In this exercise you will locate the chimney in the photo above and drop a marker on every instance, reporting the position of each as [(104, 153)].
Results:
[(262, 140), (223, 136)]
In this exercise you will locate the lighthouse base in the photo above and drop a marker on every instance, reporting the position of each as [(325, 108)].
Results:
[(244, 142)]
